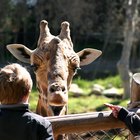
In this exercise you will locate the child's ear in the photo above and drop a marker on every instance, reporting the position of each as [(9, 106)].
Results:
[(25, 98)]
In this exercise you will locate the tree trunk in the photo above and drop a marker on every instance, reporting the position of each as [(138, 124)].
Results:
[(123, 64)]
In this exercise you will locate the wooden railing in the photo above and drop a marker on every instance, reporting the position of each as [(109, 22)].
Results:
[(86, 122)]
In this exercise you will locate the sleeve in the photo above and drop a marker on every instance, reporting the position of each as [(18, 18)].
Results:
[(131, 120), (46, 132)]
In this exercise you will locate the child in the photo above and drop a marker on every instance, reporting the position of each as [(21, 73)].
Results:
[(17, 122), (131, 119)]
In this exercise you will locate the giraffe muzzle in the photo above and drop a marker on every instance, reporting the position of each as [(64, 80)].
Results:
[(58, 95)]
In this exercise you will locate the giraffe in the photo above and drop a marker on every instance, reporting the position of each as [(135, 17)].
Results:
[(54, 62)]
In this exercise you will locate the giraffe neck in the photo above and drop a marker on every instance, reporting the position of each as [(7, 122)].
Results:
[(44, 109)]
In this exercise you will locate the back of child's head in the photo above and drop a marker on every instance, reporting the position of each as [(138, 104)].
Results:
[(15, 84)]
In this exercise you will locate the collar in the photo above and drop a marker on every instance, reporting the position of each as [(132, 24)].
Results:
[(14, 106)]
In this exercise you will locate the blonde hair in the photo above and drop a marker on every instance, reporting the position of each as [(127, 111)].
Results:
[(15, 84)]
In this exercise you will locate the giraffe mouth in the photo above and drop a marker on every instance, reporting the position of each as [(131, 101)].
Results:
[(56, 99), (56, 109)]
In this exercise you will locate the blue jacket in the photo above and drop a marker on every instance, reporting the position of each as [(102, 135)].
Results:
[(18, 123)]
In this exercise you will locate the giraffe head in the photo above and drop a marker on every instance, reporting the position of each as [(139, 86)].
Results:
[(55, 63)]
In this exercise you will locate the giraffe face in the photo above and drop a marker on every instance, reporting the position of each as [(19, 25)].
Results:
[(55, 64)]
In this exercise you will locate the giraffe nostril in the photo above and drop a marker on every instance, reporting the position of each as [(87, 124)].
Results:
[(54, 88), (63, 89)]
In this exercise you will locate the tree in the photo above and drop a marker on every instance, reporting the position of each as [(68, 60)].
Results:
[(131, 18)]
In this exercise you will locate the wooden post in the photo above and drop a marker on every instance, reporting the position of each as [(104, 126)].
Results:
[(134, 94)]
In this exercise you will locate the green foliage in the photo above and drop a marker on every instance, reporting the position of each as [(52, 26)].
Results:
[(33, 99), (92, 104), (87, 104), (112, 81)]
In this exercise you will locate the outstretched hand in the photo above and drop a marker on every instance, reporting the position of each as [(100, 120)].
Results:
[(115, 109)]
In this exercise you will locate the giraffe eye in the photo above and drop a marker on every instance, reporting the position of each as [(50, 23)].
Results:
[(34, 67), (76, 69)]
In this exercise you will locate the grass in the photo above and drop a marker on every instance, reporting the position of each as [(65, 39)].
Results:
[(114, 81), (92, 104), (87, 103), (33, 99)]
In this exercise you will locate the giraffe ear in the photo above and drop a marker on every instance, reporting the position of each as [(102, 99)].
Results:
[(88, 55), (21, 52)]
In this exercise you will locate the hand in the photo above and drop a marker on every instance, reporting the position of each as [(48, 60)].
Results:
[(115, 109)]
